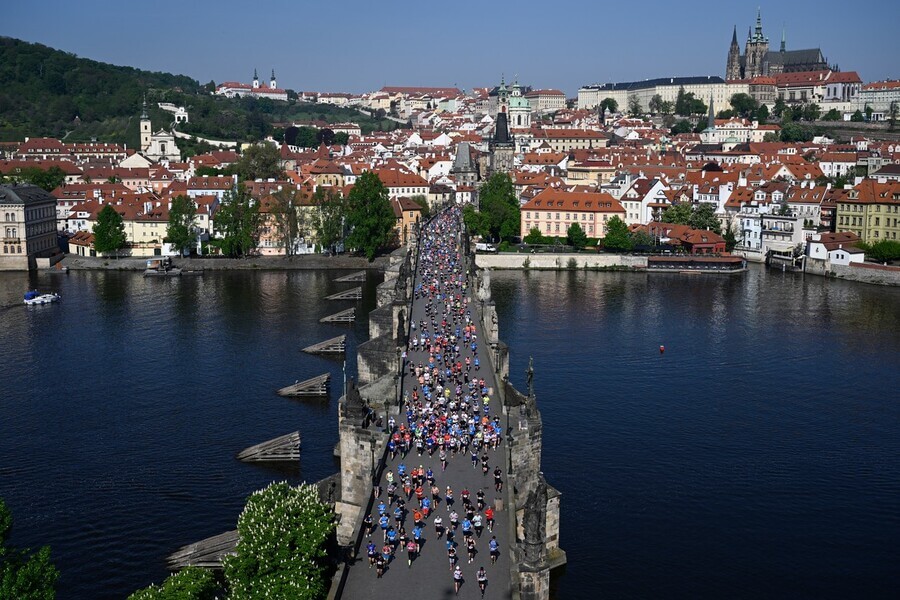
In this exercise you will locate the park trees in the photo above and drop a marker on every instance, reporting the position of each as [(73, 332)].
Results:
[(329, 217), (109, 231), (634, 106), (686, 104), (534, 236), (609, 105), (701, 217), (370, 216), (498, 216), (180, 231), (259, 161), (281, 550), (191, 583), (24, 575), (617, 238), (744, 105), (291, 223), (237, 222), (575, 236)]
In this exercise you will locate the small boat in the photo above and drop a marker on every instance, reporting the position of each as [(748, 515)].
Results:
[(33, 297)]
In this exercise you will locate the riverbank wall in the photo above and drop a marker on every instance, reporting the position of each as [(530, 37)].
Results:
[(555, 261), (860, 272), (255, 263)]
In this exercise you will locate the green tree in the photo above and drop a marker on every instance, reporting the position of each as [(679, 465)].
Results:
[(370, 216), (665, 107), (499, 209), (191, 583), (342, 138), (290, 218), (857, 117), (617, 238), (762, 113), (729, 237), (609, 105), (575, 236), (534, 236), (832, 115), (868, 110), (237, 223), (329, 217), (423, 202), (811, 112), (883, 251), (180, 231), (677, 214), (744, 105), (281, 550), (260, 161), (892, 115), (778, 108), (682, 106), (682, 126), (725, 114), (23, 575), (704, 217), (48, 179), (796, 132), (109, 231), (634, 106), (641, 238)]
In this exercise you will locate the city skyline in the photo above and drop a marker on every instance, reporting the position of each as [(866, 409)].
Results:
[(353, 47)]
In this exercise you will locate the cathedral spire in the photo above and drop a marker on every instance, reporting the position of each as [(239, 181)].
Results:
[(782, 38), (759, 34), (734, 37)]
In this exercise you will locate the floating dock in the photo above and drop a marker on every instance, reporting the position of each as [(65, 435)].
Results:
[(206, 553), (317, 386), (351, 294), (285, 447), (353, 277), (345, 316), (336, 345)]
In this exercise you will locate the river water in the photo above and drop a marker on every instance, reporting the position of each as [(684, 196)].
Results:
[(758, 457)]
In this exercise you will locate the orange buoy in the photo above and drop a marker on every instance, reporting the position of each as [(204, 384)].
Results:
[(662, 349)]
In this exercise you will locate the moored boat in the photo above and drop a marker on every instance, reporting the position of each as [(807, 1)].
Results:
[(34, 297)]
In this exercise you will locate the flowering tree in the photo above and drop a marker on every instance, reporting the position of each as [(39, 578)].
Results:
[(281, 549)]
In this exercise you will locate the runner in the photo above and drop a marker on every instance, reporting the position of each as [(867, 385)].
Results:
[(481, 576), (457, 580)]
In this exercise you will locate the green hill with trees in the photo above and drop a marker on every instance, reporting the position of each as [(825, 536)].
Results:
[(48, 92)]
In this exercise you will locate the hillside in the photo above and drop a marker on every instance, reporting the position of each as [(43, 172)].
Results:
[(48, 92), (42, 90)]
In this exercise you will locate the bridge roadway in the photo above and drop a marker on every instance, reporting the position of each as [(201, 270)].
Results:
[(430, 575)]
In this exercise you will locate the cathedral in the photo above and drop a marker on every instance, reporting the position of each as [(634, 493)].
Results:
[(757, 60)]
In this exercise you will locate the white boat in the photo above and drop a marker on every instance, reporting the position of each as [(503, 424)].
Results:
[(33, 297)]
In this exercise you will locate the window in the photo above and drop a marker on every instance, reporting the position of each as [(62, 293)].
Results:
[(557, 227)]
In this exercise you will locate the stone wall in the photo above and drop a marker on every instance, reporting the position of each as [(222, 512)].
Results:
[(14, 263), (559, 261), (861, 272)]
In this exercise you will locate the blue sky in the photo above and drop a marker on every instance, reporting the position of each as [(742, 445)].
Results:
[(357, 46)]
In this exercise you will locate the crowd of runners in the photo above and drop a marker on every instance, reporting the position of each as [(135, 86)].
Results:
[(446, 416)]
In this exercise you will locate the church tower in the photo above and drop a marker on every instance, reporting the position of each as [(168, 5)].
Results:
[(733, 66), (272, 84), (255, 80), (756, 52), (145, 127), (502, 146)]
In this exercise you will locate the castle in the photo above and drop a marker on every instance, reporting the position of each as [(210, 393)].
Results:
[(757, 60)]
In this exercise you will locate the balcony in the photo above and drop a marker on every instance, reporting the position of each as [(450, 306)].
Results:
[(12, 240)]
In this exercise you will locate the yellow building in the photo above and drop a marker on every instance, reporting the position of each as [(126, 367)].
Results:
[(871, 210)]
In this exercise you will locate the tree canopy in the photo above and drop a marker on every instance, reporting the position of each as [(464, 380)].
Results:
[(281, 549), (109, 231), (191, 583), (181, 232), (617, 238), (260, 161), (575, 236), (291, 223), (370, 216), (24, 576), (46, 179), (498, 214), (702, 216), (237, 223), (329, 217), (686, 104)]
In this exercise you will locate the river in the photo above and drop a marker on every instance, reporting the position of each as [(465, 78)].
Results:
[(758, 456)]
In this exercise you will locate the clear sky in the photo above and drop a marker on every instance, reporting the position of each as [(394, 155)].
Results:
[(361, 45)]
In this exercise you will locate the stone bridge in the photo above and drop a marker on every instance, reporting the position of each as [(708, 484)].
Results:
[(527, 508)]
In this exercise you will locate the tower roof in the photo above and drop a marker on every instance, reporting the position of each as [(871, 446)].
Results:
[(734, 37), (501, 132)]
